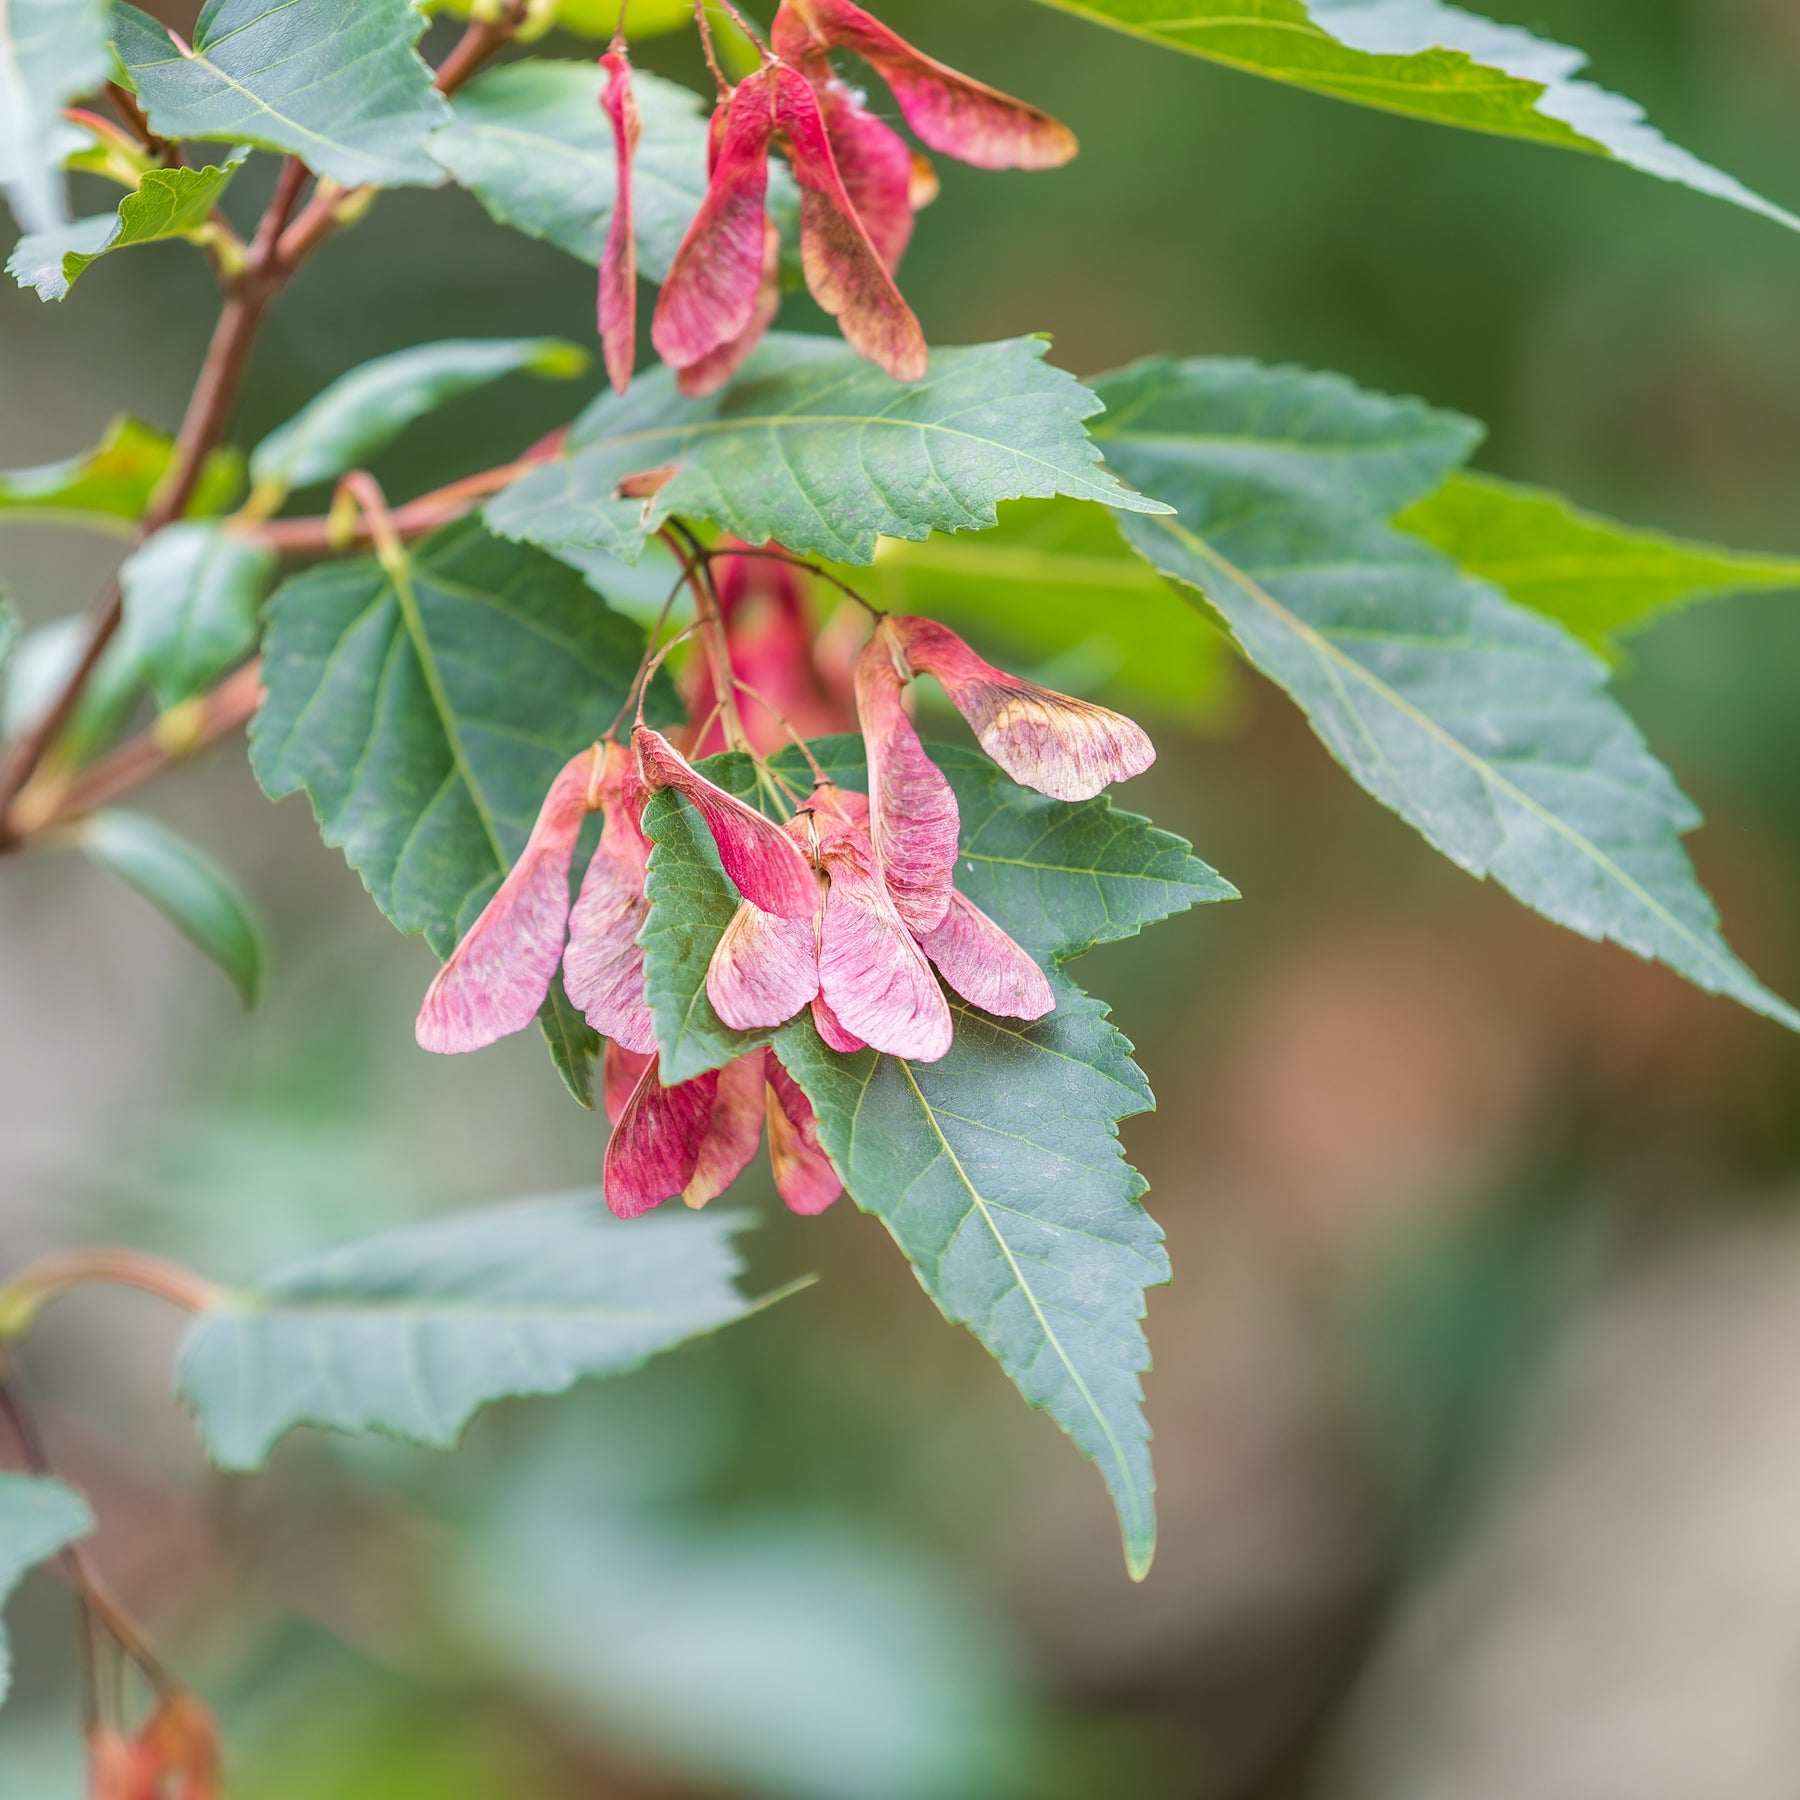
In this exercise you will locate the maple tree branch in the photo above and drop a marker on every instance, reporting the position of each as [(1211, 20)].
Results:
[(215, 391)]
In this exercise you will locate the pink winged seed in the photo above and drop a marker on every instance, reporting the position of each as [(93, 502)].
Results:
[(913, 815), (733, 1132), (762, 860), (1069, 749), (843, 268), (618, 262), (951, 112), (656, 1144), (804, 1176), (985, 966), (497, 977), (711, 295)]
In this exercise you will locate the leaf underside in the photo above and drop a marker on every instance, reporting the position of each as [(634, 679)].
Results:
[(37, 1519), (1427, 61), (409, 1333)]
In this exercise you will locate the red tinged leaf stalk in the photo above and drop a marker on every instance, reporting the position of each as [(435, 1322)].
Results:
[(618, 262)]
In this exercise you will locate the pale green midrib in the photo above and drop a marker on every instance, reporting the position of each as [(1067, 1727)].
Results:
[(1552, 132), (1127, 1480), (1719, 574), (1736, 977), (400, 580), (775, 423)]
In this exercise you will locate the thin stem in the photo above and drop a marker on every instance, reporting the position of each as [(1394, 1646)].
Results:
[(647, 667), (743, 25), (781, 719), (38, 1283), (215, 391), (710, 615), (442, 506), (704, 26), (95, 1596), (642, 687), (180, 733), (810, 568)]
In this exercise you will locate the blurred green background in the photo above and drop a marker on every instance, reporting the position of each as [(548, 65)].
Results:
[(1477, 1423)]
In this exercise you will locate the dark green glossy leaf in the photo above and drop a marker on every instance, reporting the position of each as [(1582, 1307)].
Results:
[(426, 717), (51, 52), (817, 448), (168, 203), (574, 1044), (409, 1333), (192, 596), (1428, 61), (998, 1171), (365, 410), (109, 487), (341, 87), (193, 892), (1485, 726), (37, 1519), (1592, 574)]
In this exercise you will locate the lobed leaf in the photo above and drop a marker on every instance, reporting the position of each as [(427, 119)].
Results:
[(999, 1174), (51, 52), (1485, 726), (817, 448), (167, 203), (192, 595), (1595, 576), (426, 711), (410, 1332), (192, 891), (110, 487), (1428, 61), (341, 87), (37, 1519), (365, 410)]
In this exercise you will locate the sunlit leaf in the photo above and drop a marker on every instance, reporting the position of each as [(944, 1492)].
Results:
[(594, 18), (37, 1519), (168, 203), (192, 891), (410, 1332), (817, 448), (365, 410), (1428, 61), (51, 52), (1592, 574), (340, 87), (109, 487), (1484, 725), (192, 594), (1053, 592)]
